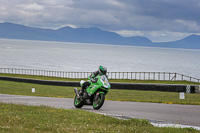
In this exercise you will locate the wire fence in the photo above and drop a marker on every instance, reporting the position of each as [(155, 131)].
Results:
[(111, 75)]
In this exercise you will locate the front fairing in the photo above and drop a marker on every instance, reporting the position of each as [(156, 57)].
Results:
[(102, 83), (105, 82)]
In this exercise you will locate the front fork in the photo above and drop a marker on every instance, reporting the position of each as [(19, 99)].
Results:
[(76, 90), (96, 96)]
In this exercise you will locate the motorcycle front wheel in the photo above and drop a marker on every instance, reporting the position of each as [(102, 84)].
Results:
[(97, 104), (78, 103)]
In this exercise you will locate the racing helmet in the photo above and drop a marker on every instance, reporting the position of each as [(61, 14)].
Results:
[(102, 70)]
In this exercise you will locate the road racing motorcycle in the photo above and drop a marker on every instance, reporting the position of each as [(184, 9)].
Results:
[(94, 94)]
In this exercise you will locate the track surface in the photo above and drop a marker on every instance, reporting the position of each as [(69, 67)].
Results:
[(170, 113)]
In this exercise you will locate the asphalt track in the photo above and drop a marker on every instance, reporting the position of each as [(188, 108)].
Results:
[(155, 112)]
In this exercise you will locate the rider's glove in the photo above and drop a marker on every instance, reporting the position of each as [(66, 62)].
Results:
[(94, 80)]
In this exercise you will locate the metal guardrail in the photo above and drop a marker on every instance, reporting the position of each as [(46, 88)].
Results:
[(126, 86), (111, 75)]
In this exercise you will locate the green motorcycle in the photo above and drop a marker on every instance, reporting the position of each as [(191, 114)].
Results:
[(94, 94)]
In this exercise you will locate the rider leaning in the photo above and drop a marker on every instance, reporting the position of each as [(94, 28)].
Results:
[(101, 71)]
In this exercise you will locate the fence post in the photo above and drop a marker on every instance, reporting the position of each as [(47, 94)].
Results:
[(149, 76), (164, 75), (175, 76), (135, 75), (131, 75)]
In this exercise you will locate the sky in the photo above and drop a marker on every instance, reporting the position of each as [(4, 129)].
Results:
[(158, 20)]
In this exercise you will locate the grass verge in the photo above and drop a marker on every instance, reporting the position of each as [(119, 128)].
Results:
[(110, 80), (20, 118), (18, 88)]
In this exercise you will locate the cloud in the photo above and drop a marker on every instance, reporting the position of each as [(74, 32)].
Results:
[(167, 12), (140, 16), (32, 7), (155, 36)]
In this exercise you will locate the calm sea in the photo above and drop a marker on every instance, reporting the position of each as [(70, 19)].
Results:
[(66, 56)]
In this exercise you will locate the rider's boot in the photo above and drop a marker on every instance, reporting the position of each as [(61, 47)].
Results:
[(85, 95)]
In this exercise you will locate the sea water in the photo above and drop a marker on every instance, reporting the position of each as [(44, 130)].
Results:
[(67, 56)]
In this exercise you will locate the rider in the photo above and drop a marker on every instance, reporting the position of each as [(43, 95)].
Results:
[(101, 71)]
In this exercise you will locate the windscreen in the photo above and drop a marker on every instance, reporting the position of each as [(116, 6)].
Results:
[(104, 79)]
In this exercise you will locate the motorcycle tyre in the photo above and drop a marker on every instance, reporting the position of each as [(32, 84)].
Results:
[(78, 105), (101, 102)]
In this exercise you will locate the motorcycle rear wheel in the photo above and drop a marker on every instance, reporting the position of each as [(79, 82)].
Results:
[(97, 104), (77, 102)]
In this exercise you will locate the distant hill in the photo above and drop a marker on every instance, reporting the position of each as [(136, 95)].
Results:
[(190, 42), (68, 34), (89, 35)]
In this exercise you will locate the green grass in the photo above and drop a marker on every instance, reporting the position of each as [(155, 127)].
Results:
[(18, 88), (153, 96), (38, 77), (110, 80), (41, 119)]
